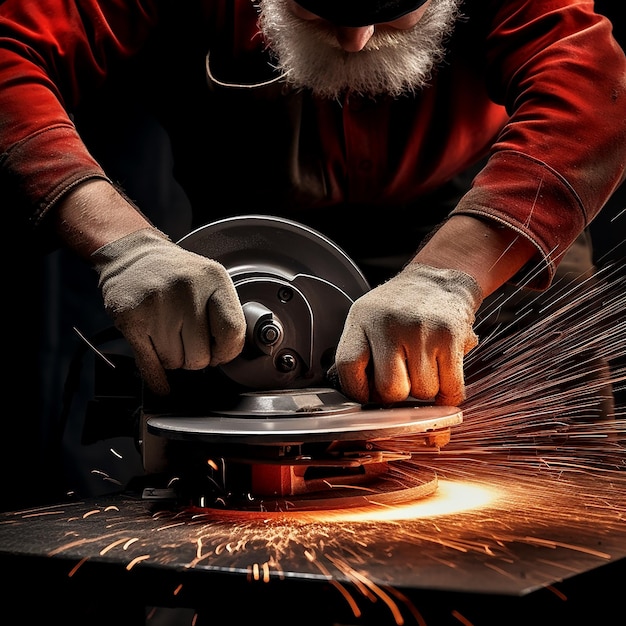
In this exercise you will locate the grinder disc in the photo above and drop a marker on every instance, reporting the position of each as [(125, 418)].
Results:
[(304, 449), (304, 416), (383, 489)]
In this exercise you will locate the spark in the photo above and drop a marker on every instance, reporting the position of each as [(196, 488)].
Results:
[(113, 545), (556, 592), (93, 348), (461, 619), (106, 477), (347, 596), (43, 514), (377, 591), (137, 559), (78, 543), (171, 525), (77, 567), (602, 555), (622, 213)]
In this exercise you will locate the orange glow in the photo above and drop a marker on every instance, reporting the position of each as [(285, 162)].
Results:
[(451, 497)]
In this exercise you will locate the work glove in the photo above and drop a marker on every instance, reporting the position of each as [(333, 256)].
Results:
[(177, 309), (408, 337)]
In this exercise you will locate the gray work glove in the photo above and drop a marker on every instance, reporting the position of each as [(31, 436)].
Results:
[(177, 309), (408, 337)]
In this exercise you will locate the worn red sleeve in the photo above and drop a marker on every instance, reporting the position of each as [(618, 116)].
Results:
[(51, 52), (562, 78)]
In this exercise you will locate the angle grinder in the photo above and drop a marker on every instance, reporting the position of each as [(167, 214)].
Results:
[(268, 431)]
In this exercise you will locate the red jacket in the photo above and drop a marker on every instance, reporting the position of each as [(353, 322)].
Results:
[(538, 85)]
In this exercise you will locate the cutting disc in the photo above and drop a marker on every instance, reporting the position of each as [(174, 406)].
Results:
[(303, 449), (305, 416)]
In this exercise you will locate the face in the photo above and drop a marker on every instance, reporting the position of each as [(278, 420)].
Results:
[(387, 58), (353, 39)]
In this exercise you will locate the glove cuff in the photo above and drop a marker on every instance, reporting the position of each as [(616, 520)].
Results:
[(449, 279), (132, 242), (137, 255)]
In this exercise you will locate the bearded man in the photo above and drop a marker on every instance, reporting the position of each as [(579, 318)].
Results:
[(354, 117)]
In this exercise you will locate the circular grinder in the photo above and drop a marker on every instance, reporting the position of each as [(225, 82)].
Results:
[(269, 431)]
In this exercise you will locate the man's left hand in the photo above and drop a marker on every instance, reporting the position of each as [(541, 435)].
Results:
[(409, 336)]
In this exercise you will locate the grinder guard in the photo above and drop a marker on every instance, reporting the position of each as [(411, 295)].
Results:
[(295, 287)]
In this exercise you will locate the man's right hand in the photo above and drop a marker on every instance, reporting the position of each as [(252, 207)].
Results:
[(177, 309)]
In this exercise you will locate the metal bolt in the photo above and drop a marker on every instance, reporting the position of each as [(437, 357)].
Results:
[(287, 362), (269, 333), (285, 294)]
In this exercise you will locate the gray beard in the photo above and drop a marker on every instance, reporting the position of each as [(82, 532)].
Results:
[(393, 62)]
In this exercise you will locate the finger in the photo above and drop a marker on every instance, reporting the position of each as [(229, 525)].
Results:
[(391, 377), (471, 342), (226, 326), (147, 359), (195, 341), (149, 365), (155, 327), (332, 377), (451, 378), (424, 374), (166, 341), (354, 381), (351, 362)]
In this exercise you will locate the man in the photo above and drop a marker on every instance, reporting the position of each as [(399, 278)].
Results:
[(347, 115)]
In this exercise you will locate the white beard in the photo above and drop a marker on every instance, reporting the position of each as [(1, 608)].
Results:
[(393, 62)]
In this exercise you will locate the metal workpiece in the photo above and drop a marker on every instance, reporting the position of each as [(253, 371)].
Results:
[(413, 564)]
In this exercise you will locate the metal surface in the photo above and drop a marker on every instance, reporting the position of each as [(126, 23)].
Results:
[(110, 552), (169, 537)]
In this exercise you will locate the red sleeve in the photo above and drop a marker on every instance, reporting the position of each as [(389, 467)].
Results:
[(560, 73), (50, 52)]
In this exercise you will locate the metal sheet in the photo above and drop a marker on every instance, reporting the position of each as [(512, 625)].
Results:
[(383, 563)]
